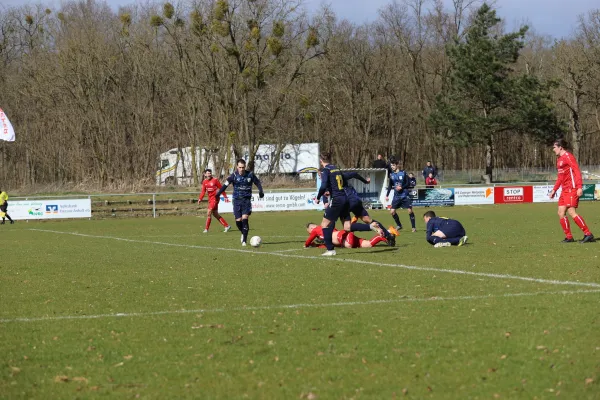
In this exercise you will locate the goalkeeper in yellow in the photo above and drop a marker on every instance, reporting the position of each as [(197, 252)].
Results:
[(4, 207)]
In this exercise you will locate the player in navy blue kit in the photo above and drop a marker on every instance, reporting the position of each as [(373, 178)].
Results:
[(332, 181), (398, 180), (242, 182), (443, 232), (358, 209)]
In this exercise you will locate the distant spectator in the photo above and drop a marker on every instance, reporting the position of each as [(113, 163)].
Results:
[(430, 181), (429, 169), (380, 162), (412, 181), (391, 160)]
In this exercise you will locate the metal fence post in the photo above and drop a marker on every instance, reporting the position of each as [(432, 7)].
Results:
[(154, 205)]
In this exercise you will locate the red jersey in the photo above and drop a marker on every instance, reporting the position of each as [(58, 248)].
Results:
[(318, 233), (430, 181), (211, 186), (569, 175)]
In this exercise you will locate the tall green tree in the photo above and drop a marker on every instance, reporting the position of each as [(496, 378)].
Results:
[(486, 98)]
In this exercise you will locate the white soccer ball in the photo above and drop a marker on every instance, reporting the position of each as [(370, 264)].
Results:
[(255, 241)]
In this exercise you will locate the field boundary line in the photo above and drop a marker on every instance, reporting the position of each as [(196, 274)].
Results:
[(296, 306), (346, 260), (287, 251)]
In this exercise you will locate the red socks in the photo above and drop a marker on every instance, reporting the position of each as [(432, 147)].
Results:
[(208, 220), (564, 222), (223, 222), (376, 239), (581, 224)]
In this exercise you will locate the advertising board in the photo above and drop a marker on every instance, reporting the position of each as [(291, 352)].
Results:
[(50, 209)]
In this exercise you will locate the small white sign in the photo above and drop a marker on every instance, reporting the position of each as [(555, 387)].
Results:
[(474, 195), (541, 193), (289, 201)]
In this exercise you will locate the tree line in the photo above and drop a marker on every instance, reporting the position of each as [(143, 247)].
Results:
[(96, 94)]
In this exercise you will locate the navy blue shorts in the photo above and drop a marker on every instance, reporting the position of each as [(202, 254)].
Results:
[(338, 208), (453, 229), (358, 209), (241, 207), (401, 202)]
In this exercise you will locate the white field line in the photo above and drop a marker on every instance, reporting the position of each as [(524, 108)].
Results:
[(211, 233), (288, 251), (345, 260), (294, 306)]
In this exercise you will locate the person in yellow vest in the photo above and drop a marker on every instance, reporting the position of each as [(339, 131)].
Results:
[(4, 207)]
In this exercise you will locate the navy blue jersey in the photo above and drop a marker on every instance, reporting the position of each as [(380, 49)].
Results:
[(242, 185), (412, 182), (332, 181), (353, 197), (398, 180), (450, 227)]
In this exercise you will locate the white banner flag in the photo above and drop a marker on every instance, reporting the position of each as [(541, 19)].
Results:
[(6, 130)]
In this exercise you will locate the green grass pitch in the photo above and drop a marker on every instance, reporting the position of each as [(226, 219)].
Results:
[(153, 308)]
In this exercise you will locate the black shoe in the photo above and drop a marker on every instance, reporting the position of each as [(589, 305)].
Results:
[(392, 241), (2, 223), (587, 239), (567, 240)]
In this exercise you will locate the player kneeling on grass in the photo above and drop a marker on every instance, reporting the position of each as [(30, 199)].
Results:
[(339, 238), (443, 232)]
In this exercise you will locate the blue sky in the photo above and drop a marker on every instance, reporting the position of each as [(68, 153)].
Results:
[(557, 18)]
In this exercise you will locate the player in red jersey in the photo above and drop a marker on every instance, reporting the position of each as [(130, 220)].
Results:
[(339, 238), (569, 179), (211, 185)]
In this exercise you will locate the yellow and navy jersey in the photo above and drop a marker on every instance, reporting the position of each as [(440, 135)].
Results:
[(3, 198), (332, 181)]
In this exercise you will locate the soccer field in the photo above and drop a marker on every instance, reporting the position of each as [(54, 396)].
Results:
[(153, 308)]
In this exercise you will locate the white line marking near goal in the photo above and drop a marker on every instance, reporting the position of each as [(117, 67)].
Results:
[(294, 306), (345, 260), (287, 251)]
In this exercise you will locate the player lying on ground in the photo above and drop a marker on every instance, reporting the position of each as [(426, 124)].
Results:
[(339, 238), (357, 208), (211, 185), (569, 178), (443, 232)]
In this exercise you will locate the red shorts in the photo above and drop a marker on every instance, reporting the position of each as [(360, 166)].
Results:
[(568, 199), (347, 239), (213, 204)]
